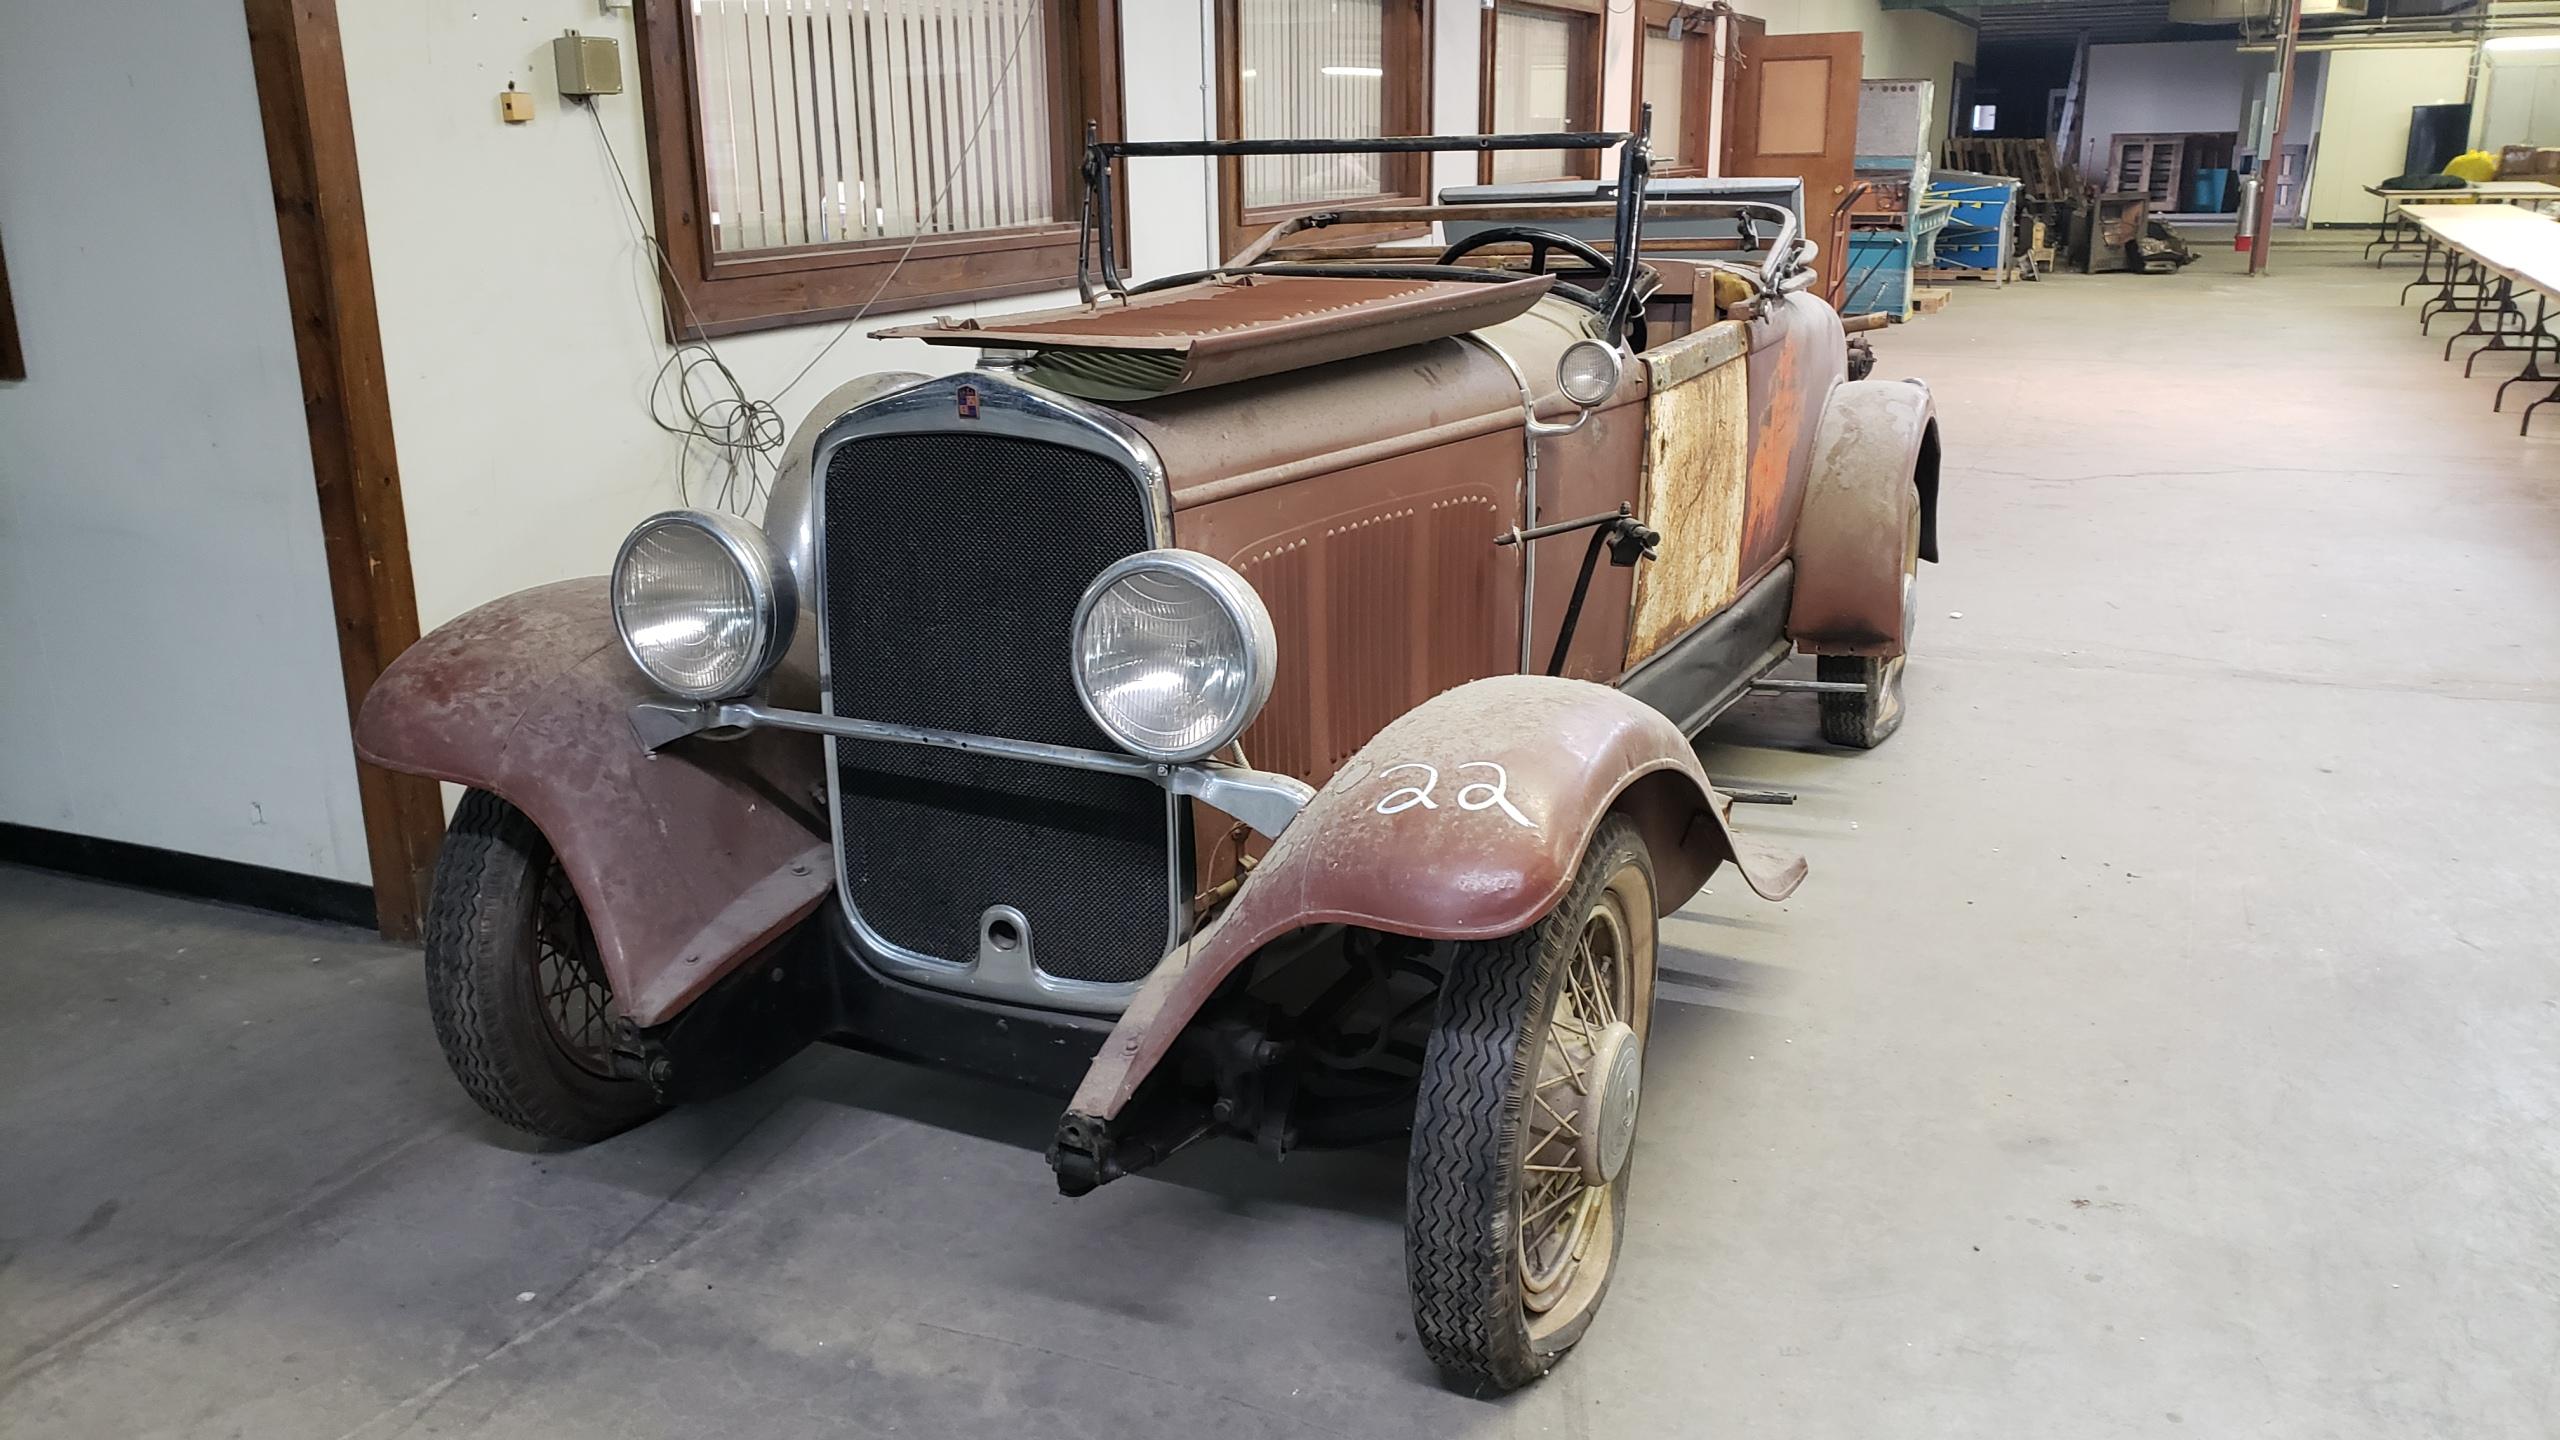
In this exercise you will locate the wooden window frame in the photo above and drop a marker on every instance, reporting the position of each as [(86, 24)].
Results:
[(714, 293), (1404, 110), (1583, 101), (1696, 69)]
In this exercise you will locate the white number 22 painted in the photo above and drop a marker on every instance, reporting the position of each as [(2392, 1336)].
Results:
[(1475, 795)]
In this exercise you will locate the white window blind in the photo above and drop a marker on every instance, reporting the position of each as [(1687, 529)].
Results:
[(1533, 81), (1666, 70), (1310, 69), (828, 122)]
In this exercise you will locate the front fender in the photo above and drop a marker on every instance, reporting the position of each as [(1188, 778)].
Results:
[(687, 861), (1464, 819), (1875, 461)]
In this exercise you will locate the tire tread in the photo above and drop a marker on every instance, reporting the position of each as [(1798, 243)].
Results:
[(492, 853), (1458, 1213)]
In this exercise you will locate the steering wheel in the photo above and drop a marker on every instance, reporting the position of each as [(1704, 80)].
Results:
[(1539, 243)]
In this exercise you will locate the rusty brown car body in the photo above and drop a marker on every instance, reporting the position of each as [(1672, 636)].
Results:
[(906, 835)]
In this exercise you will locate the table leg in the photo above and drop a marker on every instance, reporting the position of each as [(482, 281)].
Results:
[(2526, 428), (2426, 268), (2494, 298), (2400, 235), (2533, 355), (2448, 298), (2497, 340)]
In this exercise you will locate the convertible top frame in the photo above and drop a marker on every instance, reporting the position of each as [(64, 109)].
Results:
[(1098, 246)]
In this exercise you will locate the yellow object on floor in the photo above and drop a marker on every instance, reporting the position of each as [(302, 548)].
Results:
[(2472, 165)]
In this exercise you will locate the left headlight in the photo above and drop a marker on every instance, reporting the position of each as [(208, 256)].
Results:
[(1174, 654), (704, 603)]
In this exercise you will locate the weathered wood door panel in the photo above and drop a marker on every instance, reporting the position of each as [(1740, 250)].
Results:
[(1696, 477), (1796, 113)]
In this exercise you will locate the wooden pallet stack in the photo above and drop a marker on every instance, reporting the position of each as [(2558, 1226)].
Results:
[(2031, 163)]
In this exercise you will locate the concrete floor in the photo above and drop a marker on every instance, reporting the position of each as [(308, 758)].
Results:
[(2164, 1045)]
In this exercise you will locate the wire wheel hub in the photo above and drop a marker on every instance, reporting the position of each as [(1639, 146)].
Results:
[(1574, 1135), (577, 1000), (1606, 1128)]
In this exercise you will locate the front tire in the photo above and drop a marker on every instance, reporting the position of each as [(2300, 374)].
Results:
[(1516, 1188), (515, 988)]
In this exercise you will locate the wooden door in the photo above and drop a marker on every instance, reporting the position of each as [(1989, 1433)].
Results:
[(2292, 163), (1796, 113)]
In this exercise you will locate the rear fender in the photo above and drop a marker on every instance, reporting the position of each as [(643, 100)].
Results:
[(687, 861), (1875, 460), (1465, 819)]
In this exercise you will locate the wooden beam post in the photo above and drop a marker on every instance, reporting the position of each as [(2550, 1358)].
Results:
[(328, 273), (2273, 156)]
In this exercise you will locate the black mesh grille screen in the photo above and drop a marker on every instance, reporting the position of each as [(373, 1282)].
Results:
[(953, 566)]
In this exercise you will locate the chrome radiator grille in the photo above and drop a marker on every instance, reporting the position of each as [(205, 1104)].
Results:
[(952, 567)]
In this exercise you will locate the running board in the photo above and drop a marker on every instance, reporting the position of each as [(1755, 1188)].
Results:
[(1814, 687)]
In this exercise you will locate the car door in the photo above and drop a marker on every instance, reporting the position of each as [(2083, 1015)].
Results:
[(1795, 112)]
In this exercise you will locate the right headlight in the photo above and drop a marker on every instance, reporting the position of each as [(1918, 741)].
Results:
[(1174, 654), (704, 603)]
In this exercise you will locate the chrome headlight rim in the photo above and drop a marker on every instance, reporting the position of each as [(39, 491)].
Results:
[(771, 586), (1612, 369), (1236, 596)]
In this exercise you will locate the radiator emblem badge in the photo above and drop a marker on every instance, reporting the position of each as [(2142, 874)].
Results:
[(968, 398)]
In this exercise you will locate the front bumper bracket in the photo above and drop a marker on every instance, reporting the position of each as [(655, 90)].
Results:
[(1262, 800)]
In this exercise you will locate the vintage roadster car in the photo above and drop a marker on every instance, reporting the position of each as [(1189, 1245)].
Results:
[(1212, 707)]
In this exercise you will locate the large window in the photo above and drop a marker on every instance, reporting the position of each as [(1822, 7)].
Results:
[(1541, 72), (1318, 69), (817, 157), (1674, 78)]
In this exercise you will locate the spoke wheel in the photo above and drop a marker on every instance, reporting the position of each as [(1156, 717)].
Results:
[(1523, 1127), (519, 996), (1580, 1117), (577, 1000)]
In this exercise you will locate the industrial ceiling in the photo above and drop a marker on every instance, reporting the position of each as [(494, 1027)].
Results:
[(2108, 22)]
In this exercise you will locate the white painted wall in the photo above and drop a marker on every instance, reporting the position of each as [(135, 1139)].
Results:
[(2364, 122), (2163, 88), (520, 322), (165, 627), (2519, 100), (1897, 44)]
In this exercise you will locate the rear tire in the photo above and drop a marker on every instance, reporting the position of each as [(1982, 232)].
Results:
[(514, 985), (1862, 720), (1499, 1295)]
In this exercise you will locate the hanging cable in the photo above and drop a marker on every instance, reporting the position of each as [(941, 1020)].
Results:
[(696, 396)]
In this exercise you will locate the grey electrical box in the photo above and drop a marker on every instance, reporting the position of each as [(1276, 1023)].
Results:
[(588, 64)]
